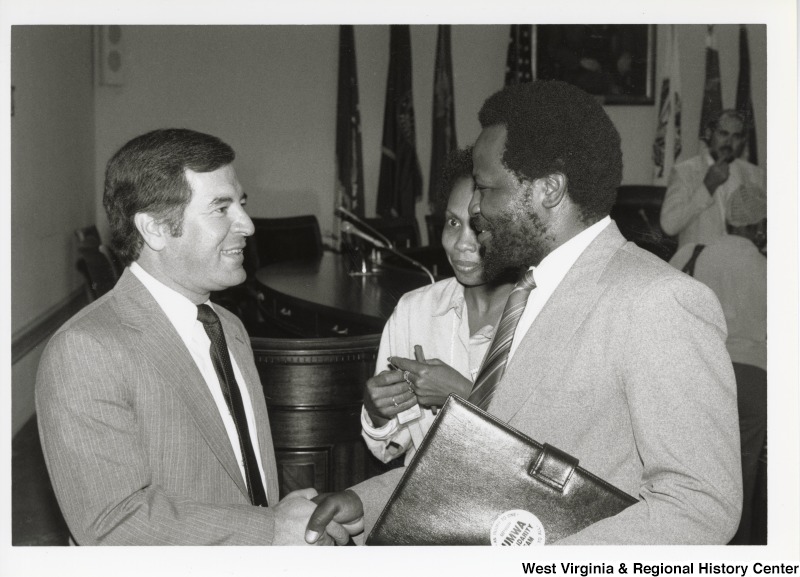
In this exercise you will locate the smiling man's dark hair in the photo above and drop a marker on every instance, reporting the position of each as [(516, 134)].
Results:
[(148, 174)]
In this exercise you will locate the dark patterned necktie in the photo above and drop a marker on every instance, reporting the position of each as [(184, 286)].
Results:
[(233, 398), (495, 363)]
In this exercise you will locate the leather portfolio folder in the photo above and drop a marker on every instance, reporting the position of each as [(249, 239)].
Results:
[(476, 481)]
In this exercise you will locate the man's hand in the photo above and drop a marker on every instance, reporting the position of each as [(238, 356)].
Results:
[(432, 380), (291, 516), (339, 514), (717, 174), (386, 395)]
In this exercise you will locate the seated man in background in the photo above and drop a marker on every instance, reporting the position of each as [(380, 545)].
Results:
[(699, 188), (151, 413), (734, 268), (603, 350)]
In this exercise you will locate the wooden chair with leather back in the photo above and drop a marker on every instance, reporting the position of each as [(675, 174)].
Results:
[(402, 231), (88, 237), (282, 239), (96, 263), (274, 240), (97, 270)]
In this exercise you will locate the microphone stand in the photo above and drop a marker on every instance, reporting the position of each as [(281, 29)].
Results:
[(347, 215), (408, 259), (365, 270), (382, 244), (377, 244)]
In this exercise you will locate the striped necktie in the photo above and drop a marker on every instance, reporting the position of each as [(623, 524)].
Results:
[(495, 363), (233, 398)]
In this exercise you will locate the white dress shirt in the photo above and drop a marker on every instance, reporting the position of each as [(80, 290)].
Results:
[(436, 318), (182, 313), (690, 211), (549, 274)]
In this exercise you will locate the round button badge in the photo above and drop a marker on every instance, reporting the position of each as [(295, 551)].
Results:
[(517, 528)]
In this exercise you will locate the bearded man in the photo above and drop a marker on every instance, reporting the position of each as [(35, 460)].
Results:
[(617, 358), (699, 188)]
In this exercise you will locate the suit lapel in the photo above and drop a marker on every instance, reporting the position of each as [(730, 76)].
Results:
[(545, 349), (161, 343)]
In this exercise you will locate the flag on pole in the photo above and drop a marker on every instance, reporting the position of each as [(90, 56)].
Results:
[(400, 180), (518, 59), (349, 160), (744, 100), (443, 140), (712, 93), (668, 133)]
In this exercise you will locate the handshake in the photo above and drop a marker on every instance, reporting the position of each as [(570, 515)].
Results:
[(327, 519)]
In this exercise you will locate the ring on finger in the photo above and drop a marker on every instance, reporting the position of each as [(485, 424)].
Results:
[(407, 378), (395, 402)]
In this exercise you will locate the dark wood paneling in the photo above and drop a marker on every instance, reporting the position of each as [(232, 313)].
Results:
[(314, 391)]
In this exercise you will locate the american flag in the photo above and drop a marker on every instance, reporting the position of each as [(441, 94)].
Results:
[(712, 92), (744, 100), (668, 132), (400, 177), (444, 112), (349, 160)]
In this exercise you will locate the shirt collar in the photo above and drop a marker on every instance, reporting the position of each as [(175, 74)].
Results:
[(181, 312), (554, 266), (452, 299)]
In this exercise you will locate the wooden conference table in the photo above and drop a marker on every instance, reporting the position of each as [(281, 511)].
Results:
[(314, 381), (320, 298)]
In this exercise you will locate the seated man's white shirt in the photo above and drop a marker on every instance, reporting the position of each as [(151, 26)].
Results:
[(549, 274), (182, 313)]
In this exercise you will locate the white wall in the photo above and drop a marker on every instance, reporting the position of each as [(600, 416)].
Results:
[(52, 178), (52, 162), (270, 91)]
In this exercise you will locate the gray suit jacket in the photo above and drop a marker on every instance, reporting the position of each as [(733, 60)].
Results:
[(133, 441), (625, 368)]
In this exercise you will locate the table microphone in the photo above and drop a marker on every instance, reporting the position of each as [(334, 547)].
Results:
[(350, 229), (347, 215)]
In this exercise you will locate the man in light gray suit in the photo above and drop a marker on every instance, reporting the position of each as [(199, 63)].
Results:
[(153, 422), (618, 359)]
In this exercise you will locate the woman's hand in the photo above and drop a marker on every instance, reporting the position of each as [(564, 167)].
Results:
[(432, 380), (387, 394)]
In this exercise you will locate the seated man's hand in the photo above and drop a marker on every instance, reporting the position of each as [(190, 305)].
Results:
[(292, 514), (717, 174), (340, 515)]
